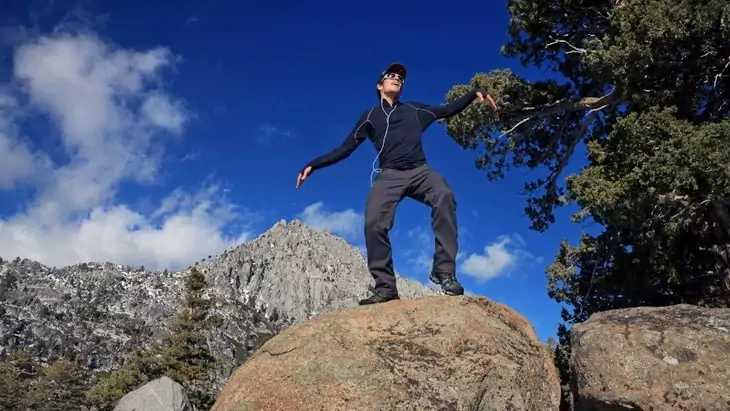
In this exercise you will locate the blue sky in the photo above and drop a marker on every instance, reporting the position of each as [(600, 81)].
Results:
[(156, 133)]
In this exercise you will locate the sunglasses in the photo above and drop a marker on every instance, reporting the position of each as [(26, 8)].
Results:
[(392, 76)]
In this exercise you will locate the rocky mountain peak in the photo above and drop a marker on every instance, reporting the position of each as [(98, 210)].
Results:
[(293, 272)]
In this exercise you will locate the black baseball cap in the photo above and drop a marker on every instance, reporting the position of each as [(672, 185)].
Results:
[(397, 68)]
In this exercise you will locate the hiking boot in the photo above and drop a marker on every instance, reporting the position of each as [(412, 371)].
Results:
[(378, 298), (448, 282)]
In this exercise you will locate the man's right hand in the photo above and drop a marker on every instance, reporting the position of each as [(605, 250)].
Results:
[(481, 95), (303, 175)]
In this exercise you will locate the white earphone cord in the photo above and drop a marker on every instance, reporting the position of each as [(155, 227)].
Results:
[(377, 156)]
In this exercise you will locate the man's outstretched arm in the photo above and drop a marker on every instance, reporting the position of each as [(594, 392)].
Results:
[(458, 105), (359, 133)]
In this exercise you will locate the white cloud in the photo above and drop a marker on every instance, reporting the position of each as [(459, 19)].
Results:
[(268, 134), (17, 161), (347, 223), (420, 257), (500, 258), (114, 120)]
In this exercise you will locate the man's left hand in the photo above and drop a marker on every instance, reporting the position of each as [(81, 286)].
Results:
[(481, 96)]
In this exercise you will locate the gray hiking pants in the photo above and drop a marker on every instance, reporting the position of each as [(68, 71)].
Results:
[(426, 186)]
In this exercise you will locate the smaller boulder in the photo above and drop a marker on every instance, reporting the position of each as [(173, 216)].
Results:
[(652, 358), (162, 394)]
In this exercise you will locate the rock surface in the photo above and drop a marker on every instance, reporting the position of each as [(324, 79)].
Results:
[(434, 353), (665, 358), (99, 311), (162, 394)]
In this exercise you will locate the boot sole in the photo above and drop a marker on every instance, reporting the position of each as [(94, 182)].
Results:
[(378, 302)]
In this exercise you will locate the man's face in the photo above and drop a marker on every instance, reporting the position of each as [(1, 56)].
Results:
[(392, 83)]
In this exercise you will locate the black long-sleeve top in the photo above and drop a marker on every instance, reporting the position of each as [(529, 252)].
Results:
[(395, 131)]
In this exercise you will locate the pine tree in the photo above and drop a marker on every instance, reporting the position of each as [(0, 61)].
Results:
[(60, 386), (139, 368), (17, 372), (183, 355), (187, 358)]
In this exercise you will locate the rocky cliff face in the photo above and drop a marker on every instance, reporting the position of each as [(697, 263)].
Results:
[(100, 311)]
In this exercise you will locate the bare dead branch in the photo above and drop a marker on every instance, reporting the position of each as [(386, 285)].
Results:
[(543, 107), (594, 104), (574, 49), (674, 197), (593, 110), (514, 127), (577, 137), (720, 74)]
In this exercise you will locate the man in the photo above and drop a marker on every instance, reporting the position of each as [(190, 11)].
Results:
[(395, 129)]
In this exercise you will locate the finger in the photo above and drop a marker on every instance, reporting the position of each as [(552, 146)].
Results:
[(491, 100), (303, 176)]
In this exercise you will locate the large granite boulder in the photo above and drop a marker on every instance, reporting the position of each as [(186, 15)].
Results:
[(432, 353)]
